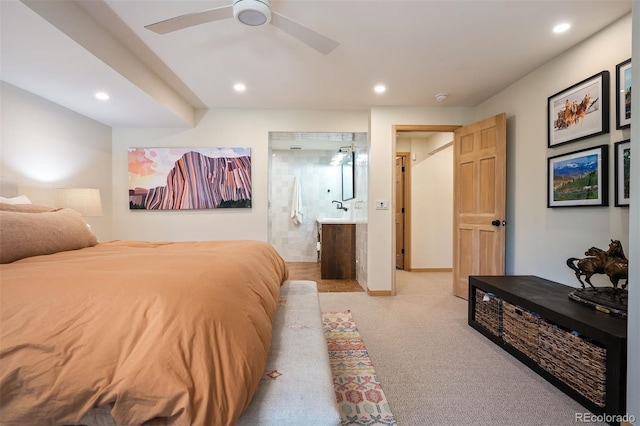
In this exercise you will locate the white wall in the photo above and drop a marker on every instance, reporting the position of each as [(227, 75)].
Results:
[(46, 146), (218, 128), (541, 239)]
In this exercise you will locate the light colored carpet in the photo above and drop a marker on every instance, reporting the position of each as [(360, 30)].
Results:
[(437, 370)]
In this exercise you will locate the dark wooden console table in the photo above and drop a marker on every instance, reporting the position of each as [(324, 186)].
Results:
[(548, 303)]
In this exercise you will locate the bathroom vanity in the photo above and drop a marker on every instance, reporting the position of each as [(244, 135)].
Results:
[(337, 256)]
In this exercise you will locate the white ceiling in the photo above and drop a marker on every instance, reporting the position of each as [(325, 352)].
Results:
[(470, 49)]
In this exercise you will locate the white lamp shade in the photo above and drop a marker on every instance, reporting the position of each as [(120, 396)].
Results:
[(85, 201)]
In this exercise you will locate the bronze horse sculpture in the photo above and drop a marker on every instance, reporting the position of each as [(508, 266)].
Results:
[(616, 265), (612, 262), (587, 266)]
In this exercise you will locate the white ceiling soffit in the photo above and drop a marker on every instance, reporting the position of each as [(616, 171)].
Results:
[(314, 141), (62, 56), (468, 49)]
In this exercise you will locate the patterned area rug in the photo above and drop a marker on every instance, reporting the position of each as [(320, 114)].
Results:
[(358, 392)]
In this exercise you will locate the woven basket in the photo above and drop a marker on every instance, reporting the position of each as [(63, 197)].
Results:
[(576, 361), (489, 312), (520, 329)]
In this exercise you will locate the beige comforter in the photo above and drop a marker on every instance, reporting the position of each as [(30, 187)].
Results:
[(179, 331)]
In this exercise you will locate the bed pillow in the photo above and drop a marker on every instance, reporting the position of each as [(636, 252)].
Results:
[(33, 234), (20, 199), (26, 208)]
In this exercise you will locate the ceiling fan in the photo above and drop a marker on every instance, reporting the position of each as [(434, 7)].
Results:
[(249, 12)]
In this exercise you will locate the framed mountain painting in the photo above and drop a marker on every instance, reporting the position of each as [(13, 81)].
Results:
[(189, 178), (579, 178)]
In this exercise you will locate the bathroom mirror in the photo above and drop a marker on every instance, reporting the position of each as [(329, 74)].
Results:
[(348, 177)]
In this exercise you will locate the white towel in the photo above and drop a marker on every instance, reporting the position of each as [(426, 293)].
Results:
[(296, 202)]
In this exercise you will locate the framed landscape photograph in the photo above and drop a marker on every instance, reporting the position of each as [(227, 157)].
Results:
[(623, 94), (579, 112), (578, 179), (622, 163)]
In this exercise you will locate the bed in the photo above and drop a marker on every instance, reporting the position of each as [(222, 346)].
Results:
[(174, 333)]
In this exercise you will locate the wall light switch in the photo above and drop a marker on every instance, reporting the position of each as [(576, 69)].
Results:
[(382, 204)]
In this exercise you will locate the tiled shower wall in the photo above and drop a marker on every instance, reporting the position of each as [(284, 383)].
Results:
[(320, 184), (360, 211)]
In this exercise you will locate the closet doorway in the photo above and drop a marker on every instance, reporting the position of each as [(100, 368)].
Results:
[(424, 198)]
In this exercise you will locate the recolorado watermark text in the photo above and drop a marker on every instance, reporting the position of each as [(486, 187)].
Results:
[(604, 418)]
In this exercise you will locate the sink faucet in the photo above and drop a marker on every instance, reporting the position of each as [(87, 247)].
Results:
[(340, 206)]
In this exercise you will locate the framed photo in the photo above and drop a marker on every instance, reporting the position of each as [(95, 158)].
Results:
[(623, 94), (622, 172), (189, 178), (578, 179), (579, 112)]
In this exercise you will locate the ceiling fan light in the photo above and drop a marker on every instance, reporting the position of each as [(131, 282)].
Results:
[(252, 12)]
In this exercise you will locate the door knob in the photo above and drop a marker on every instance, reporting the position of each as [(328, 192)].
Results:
[(495, 222)]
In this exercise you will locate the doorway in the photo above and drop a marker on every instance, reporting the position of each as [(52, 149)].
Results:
[(313, 160), (420, 229), (479, 198)]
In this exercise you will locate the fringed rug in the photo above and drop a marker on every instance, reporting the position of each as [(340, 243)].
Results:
[(358, 391)]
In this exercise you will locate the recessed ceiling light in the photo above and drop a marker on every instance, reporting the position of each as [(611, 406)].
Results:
[(239, 87), (560, 28), (103, 96), (380, 88)]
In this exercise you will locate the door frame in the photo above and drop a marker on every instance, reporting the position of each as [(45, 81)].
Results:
[(399, 128)]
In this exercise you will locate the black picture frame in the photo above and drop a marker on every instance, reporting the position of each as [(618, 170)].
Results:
[(622, 172), (623, 94), (579, 112), (579, 178)]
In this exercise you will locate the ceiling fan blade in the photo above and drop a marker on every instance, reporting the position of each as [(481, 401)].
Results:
[(306, 35), (191, 19)]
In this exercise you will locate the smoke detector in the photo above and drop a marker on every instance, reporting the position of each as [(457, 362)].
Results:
[(441, 97)]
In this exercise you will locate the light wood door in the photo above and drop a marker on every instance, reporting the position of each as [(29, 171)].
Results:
[(479, 201), (399, 212)]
